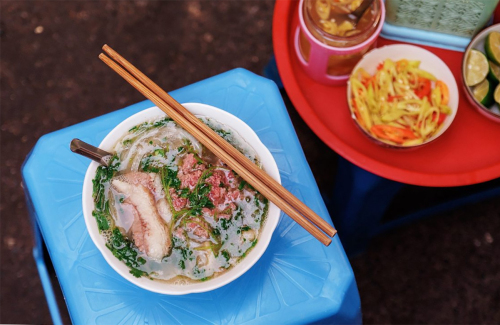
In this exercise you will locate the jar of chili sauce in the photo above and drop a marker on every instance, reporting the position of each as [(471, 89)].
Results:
[(329, 42)]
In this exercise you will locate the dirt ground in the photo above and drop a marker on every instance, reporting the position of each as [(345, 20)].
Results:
[(442, 270)]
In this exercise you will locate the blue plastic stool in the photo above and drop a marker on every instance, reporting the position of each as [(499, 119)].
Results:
[(271, 72), (360, 200), (41, 263), (297, 280)]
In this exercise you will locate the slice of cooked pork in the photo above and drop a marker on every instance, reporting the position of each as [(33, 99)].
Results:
[(149, 231)]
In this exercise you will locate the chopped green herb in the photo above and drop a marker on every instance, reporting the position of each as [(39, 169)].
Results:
[(148, 125), (162, 122), (134, 129), (103, 175), (239, 213), (224, 223), (256, 200), (102, 220), (149, 165), (122, 248), (137, 273), (170, 179), (198, 199), (184, 253), (184, 193), (139, 127), (159, 152), (222, 133)]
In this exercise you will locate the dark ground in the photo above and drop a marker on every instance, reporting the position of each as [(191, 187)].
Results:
[(443, 270)]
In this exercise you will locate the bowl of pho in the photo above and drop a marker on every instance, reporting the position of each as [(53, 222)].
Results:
[(170, 216)]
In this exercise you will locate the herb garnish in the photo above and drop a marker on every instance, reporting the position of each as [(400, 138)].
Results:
[(122, 248), (149, 125), (103, 175)]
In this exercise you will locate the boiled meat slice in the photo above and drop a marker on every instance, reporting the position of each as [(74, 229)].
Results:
[(149, 231), (152, 182)]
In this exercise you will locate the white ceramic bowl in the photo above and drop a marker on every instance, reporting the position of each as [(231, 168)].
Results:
[(493, 112), (428, 62), (246, 263)]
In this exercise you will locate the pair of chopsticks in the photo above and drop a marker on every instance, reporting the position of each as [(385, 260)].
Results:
[(255, 176)]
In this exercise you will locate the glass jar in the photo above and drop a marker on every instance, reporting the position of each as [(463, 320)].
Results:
[(326, 28)]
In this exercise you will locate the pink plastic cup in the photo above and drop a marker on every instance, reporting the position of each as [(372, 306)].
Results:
[(317, 64)]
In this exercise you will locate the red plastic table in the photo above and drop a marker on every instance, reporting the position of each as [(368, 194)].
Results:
[(467, 153)]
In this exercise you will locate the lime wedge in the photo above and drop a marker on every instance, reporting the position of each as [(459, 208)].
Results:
[(477, 68), (492, 47), (496, 95), (494, 72), (483, 93)]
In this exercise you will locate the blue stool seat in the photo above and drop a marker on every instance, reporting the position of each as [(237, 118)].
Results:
[(297, 280)]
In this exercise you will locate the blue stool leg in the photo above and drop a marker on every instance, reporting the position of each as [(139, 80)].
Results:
[(47, 286), (41, 266), (271, 72), (360, 199)]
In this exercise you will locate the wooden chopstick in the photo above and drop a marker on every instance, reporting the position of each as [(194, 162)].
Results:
[(264, 177), (219, 147)]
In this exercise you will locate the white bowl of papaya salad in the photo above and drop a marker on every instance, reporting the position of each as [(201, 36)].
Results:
[(402, 96)]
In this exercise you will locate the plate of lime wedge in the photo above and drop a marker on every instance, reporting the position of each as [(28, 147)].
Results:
[(481, 72)]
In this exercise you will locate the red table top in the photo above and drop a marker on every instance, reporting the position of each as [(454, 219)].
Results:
[(467, 153)]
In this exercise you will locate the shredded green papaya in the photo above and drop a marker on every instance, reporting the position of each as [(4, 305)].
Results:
[(401, 104)]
